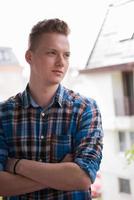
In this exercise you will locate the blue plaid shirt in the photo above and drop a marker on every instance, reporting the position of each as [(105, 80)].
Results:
[(70, 124)]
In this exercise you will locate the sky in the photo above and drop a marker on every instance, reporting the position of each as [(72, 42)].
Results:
[(84, 17)]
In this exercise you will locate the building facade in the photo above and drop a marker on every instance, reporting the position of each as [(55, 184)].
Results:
[(108, 77), (11, 78)]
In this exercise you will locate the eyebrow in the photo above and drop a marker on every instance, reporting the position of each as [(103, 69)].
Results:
[(52, 49)]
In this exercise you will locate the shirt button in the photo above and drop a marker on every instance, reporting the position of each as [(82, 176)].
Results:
[(43, 114), (42, 137)]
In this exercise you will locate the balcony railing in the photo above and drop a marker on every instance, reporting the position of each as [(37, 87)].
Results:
[(124, 106)]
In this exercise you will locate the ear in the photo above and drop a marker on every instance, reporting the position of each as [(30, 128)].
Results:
[(28, 56)]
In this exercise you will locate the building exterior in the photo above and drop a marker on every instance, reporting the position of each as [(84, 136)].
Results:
[(109, 78), (11, 79)]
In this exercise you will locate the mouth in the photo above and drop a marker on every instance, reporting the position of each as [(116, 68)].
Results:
[(57, 72)]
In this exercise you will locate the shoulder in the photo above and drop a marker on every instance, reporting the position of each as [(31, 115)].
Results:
[(78, 99), (10, 103)]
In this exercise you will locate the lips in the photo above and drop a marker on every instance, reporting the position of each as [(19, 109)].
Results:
[(57, 71)]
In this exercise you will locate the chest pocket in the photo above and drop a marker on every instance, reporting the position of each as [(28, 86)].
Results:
[(56, 147)]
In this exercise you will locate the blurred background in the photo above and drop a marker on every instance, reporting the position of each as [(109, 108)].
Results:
[(101, 67)]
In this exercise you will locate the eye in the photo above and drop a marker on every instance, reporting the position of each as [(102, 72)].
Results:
[(51, 53), (67, 55)]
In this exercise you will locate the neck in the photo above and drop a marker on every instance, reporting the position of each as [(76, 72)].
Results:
[(41, 94)]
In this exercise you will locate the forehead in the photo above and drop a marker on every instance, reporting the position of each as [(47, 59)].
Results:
[(54, 40)]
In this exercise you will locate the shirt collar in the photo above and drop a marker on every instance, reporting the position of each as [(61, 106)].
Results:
[(28, 101), (26, 97), (59, 97)]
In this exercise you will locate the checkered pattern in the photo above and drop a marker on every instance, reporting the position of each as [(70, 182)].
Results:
[(70, 124)]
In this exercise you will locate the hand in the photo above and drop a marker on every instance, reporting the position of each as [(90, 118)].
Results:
[(68, 158), (10, 165)]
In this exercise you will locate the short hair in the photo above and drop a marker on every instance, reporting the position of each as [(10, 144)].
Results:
[(46, 26)]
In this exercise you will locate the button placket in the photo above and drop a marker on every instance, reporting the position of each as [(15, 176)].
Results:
[(42, 136), (42, 114)]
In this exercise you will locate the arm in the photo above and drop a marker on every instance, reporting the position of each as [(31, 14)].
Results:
[(11, 184), (61, 176), (88, 152)]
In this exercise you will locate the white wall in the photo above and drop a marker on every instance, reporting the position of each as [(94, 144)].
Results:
[(114, 166), (111, 188)]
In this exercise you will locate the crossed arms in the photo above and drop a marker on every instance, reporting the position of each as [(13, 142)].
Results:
[(32, 176), (70, 174)]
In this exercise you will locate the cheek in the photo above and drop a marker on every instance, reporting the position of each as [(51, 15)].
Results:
[(67, 66), (48, 62)]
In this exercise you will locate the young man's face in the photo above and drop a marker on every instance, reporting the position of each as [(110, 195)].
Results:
[(50, 60)]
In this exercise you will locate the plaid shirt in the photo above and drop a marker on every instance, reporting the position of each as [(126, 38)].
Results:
[(70, 124)]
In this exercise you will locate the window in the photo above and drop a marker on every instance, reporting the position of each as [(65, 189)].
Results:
[(132, 138), (124, 185), (128, 90), (124, 93), (126, 140), (125, 29), (4, 56), (122, 141)]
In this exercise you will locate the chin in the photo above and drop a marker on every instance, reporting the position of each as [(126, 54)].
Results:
[(57, 81)]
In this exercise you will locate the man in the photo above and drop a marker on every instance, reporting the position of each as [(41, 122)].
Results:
[(50, 137)]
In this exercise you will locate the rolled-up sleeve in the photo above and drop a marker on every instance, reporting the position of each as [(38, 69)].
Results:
[(3, 149), (88, 143)]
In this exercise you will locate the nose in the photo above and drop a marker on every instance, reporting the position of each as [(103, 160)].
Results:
[(60, 61)]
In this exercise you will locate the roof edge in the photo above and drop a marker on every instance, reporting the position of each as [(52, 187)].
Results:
[(118, 67)]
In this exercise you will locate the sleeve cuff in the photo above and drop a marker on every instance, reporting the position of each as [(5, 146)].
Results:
[(90, 168)]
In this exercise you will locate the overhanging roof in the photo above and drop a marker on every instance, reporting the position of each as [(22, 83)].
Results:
[(114, 46)]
